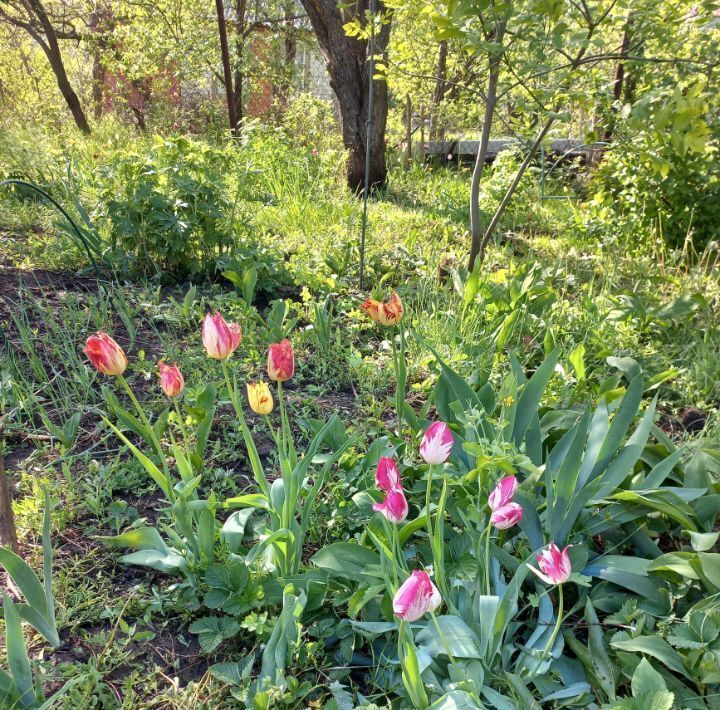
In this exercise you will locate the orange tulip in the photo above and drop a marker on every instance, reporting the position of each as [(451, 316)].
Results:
[(372, 308), (105, 354), (220, 338), (387, 313), (171, 379), (281, 361), (391, 312)]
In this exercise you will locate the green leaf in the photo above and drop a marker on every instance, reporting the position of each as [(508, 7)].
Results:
[(646, 679), (213, 630), (532, 392), (657, 648), (18, 660), (26, 580), (702, 542), (347, 560), (145, 538), (459, 637), (577, 360)]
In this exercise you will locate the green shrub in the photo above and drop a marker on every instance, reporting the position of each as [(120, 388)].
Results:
[(169, 210)]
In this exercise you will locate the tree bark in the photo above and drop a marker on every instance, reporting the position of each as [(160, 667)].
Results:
[(500, 211), (8, 533), (490, 102), (227, 74), (41, 29), (239, 79), (436, 132), (346, 59), (619, 80)]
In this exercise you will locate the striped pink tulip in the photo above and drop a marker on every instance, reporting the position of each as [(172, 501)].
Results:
[(171, 379), (387, 476), (503, 492), (437, 443), (220, 338), (105, 354), (507, 516), (281, 361), (394, 507), (416, 596), (554, 565)]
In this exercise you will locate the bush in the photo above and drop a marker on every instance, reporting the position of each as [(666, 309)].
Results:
[(170, 210)]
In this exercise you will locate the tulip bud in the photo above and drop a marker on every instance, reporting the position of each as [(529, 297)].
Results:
[(554, 565), (416, 596), (220, 339), (394, 507), (507, 516), (105, 354), (503, 492), (391, 313), (437, 443), (259, 397), (387, 476), (281, 361), (171, 379)]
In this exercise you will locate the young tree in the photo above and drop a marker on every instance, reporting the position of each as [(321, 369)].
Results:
[(346, 58), (47, 26)]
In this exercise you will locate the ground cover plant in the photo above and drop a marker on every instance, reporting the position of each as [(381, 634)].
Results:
[(273, 438)]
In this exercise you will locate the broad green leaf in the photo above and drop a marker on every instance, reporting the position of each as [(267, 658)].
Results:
[(17, 657), (656, 647), (25, 578)]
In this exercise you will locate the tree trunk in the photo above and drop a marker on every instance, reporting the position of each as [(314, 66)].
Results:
[(490, 102), (227, 74), (500, 211), (8, 534), (239, 79), (347, 64), (619, 76), (436, 132), (49, 45)]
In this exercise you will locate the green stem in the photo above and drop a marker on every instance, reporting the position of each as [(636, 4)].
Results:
[(428, 496), (273, 433), (181, 424), (444, 642), (551, 642), (284, 426), (487, 558), (247, 435), (151, 432)]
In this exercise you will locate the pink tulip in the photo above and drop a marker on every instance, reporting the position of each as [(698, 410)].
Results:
[(171, 379), (503, 492), (416, 596), (220, 338), (394, 507), (554, 565), (436, 444), (281, 361), (105, 354), (507, 516), (387, 476)]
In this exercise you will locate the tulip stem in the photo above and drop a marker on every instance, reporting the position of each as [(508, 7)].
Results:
[(444, 641), (273, 433), (151, 432), (487, 558), (181, 424), (551, 642), (284, 426), (428, 496), (247, 435)]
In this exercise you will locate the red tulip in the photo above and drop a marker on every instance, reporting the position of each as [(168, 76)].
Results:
[(554, 565), (416, 596), (220, 338), (281, 361), (171, 379), (105, 354), (437, 443), (387, 313)]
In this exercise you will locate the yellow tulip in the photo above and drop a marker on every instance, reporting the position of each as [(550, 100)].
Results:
[(261, 401)]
